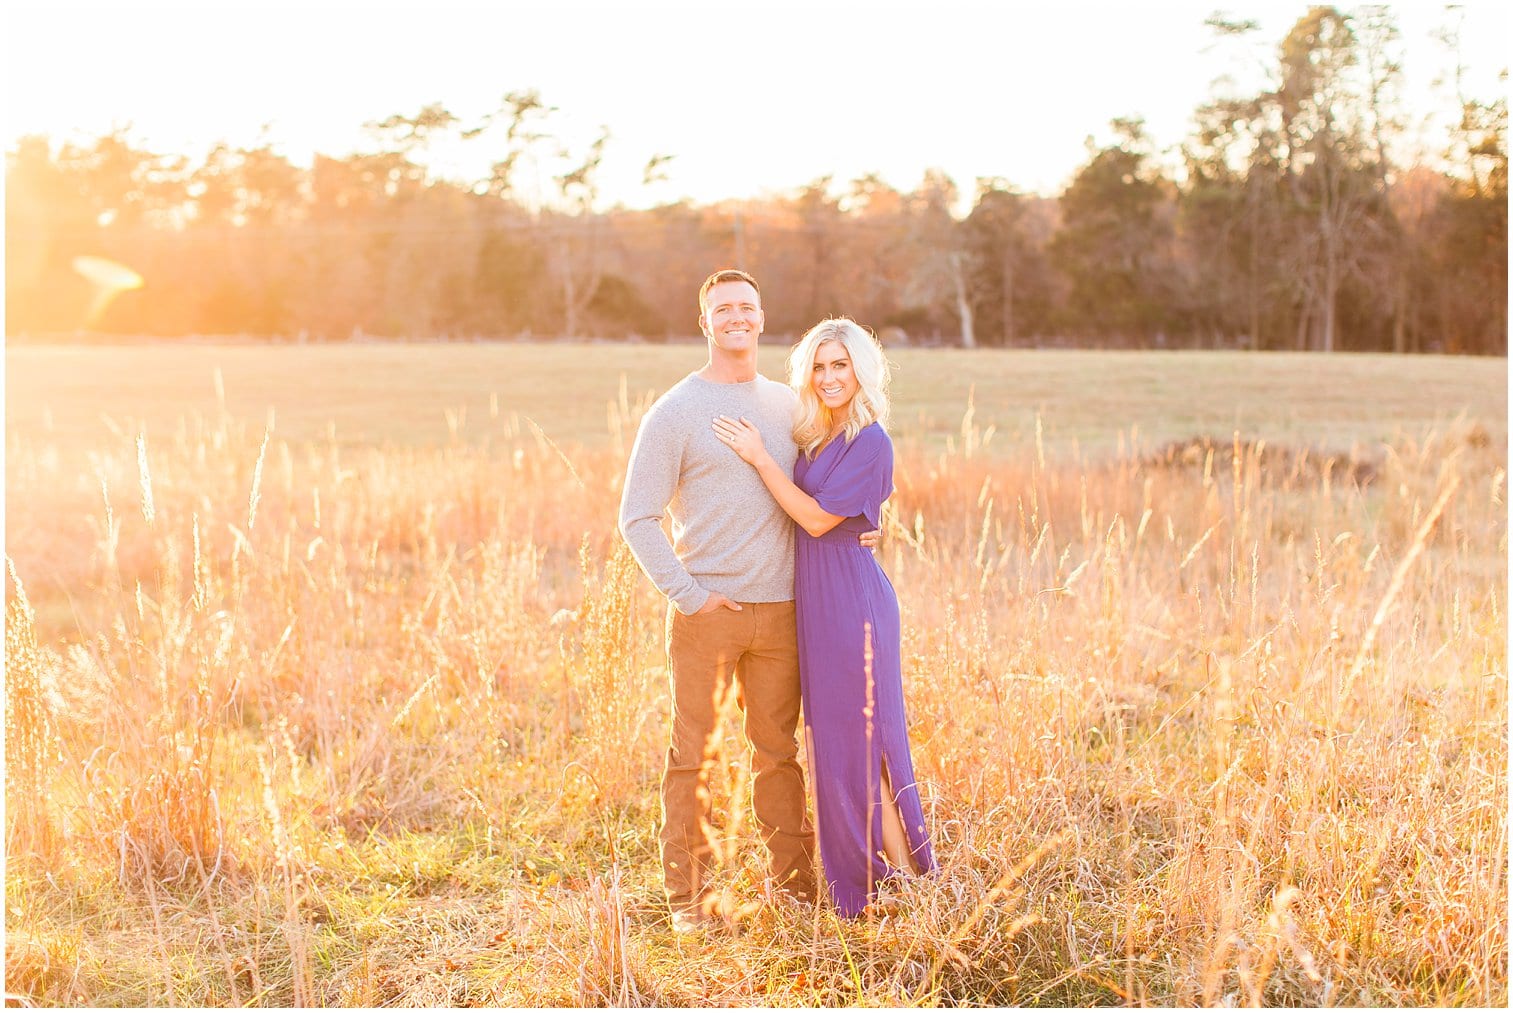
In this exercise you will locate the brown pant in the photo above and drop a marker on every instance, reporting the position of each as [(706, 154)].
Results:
[(758, 646)]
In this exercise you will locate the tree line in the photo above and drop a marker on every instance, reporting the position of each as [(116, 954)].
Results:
[(1284, 222)]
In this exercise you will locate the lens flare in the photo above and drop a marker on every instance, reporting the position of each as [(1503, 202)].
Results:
[(108, 279)]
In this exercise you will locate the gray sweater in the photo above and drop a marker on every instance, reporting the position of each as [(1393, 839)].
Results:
[(728, 533)]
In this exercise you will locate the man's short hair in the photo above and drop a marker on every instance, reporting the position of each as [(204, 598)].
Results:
[(723, 275)]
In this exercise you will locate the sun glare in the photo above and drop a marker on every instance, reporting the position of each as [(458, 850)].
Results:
[(107, 279)]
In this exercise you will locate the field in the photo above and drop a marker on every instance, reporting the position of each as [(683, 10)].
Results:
[(417, 395), (1205, 657)]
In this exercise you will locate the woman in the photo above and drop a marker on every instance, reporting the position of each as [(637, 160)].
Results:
[(870, 820)]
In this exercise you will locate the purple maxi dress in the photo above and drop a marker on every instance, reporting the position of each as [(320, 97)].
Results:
[(844, 601)]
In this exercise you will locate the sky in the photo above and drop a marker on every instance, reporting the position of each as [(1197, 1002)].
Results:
[(749, 99)]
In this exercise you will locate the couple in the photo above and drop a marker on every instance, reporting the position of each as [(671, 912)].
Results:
[(738, 460)]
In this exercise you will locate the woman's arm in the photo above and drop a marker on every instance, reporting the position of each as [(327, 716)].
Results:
[(746, 440)]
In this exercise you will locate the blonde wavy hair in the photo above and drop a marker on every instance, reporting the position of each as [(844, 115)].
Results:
[(814, 421)]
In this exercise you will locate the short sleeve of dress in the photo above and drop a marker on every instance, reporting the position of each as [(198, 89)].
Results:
[(861, 480)]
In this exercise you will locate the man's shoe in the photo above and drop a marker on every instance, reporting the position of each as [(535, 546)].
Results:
[(799, 891), (793, 897), (686, 922)]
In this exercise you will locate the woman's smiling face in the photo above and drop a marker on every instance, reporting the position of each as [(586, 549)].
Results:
[(834, 380)]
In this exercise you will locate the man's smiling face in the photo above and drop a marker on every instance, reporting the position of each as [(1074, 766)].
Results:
[(732, 319)]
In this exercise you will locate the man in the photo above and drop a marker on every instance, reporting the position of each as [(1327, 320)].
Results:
[(728, 576)]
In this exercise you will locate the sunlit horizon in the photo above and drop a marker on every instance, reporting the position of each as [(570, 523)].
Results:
[(746, 104)]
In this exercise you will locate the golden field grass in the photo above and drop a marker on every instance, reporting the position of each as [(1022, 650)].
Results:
[(376, 718)]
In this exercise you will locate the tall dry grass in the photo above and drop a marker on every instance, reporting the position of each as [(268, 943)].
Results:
[(1216, 723)]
